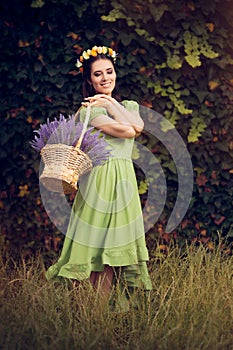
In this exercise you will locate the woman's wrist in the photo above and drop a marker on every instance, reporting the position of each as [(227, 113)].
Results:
[(113, 111)]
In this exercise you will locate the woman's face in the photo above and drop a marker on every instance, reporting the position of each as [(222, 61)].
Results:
[(103, 76)]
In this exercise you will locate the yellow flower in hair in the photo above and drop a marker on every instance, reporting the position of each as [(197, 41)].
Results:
[(110, 51), (94, 48), (94, 53), (81, 58), (88, 52)]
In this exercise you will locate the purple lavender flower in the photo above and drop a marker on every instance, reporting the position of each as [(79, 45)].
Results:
[(95, 146), (67, 131)]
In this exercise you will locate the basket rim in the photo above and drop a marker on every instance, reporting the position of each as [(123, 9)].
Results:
[(63, 145)]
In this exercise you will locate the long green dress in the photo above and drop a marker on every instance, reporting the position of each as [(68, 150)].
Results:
[(106, 223)]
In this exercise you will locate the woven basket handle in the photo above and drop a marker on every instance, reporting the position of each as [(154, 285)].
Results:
[(87, 117)]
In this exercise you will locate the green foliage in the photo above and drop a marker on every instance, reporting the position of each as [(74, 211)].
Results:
[(195, 46), (174, 57), (166, 47), (37, 3), (39, 80)]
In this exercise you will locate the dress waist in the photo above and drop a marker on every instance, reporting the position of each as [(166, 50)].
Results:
[(120, 148)]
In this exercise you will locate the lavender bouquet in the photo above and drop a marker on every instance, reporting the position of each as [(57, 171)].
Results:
[(67, 131)]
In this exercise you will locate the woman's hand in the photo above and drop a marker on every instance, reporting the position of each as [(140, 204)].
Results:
[(101, 100), (101, 96)]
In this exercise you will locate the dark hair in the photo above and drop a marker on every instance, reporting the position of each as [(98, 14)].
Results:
[(88, 89)]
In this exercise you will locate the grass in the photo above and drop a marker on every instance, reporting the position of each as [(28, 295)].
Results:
[(190, 307)]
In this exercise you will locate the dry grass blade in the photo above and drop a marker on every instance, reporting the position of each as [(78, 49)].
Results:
[(190, 307)]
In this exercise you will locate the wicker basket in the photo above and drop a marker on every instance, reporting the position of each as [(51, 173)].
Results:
[(63, 164), (63, 167)]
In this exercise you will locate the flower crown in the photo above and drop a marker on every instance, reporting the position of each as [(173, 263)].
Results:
[(96, 50)]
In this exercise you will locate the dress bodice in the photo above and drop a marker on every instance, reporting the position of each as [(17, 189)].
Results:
[(120, 147)]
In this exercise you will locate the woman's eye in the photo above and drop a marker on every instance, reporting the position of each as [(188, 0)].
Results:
[(98, 74)]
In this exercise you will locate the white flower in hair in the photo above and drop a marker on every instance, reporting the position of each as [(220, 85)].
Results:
[(105, 50)]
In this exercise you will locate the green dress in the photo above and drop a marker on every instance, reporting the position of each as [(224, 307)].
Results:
[(106, 223)]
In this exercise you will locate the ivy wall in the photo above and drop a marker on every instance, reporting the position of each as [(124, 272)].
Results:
[(175, 57)]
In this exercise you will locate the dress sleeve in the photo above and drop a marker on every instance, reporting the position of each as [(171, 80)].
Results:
[(95, 112), (130, 105)]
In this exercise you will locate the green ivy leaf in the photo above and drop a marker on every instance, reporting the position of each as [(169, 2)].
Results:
[(143, 187), (197, 127), (37, 3), (135, 152)]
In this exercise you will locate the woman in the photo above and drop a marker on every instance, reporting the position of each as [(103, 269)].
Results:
[(105, 238)]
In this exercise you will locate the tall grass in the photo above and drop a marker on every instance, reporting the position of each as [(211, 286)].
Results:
[(190, 307)]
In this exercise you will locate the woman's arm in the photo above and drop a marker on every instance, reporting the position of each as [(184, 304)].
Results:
[(118, 112), (112, 127)]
